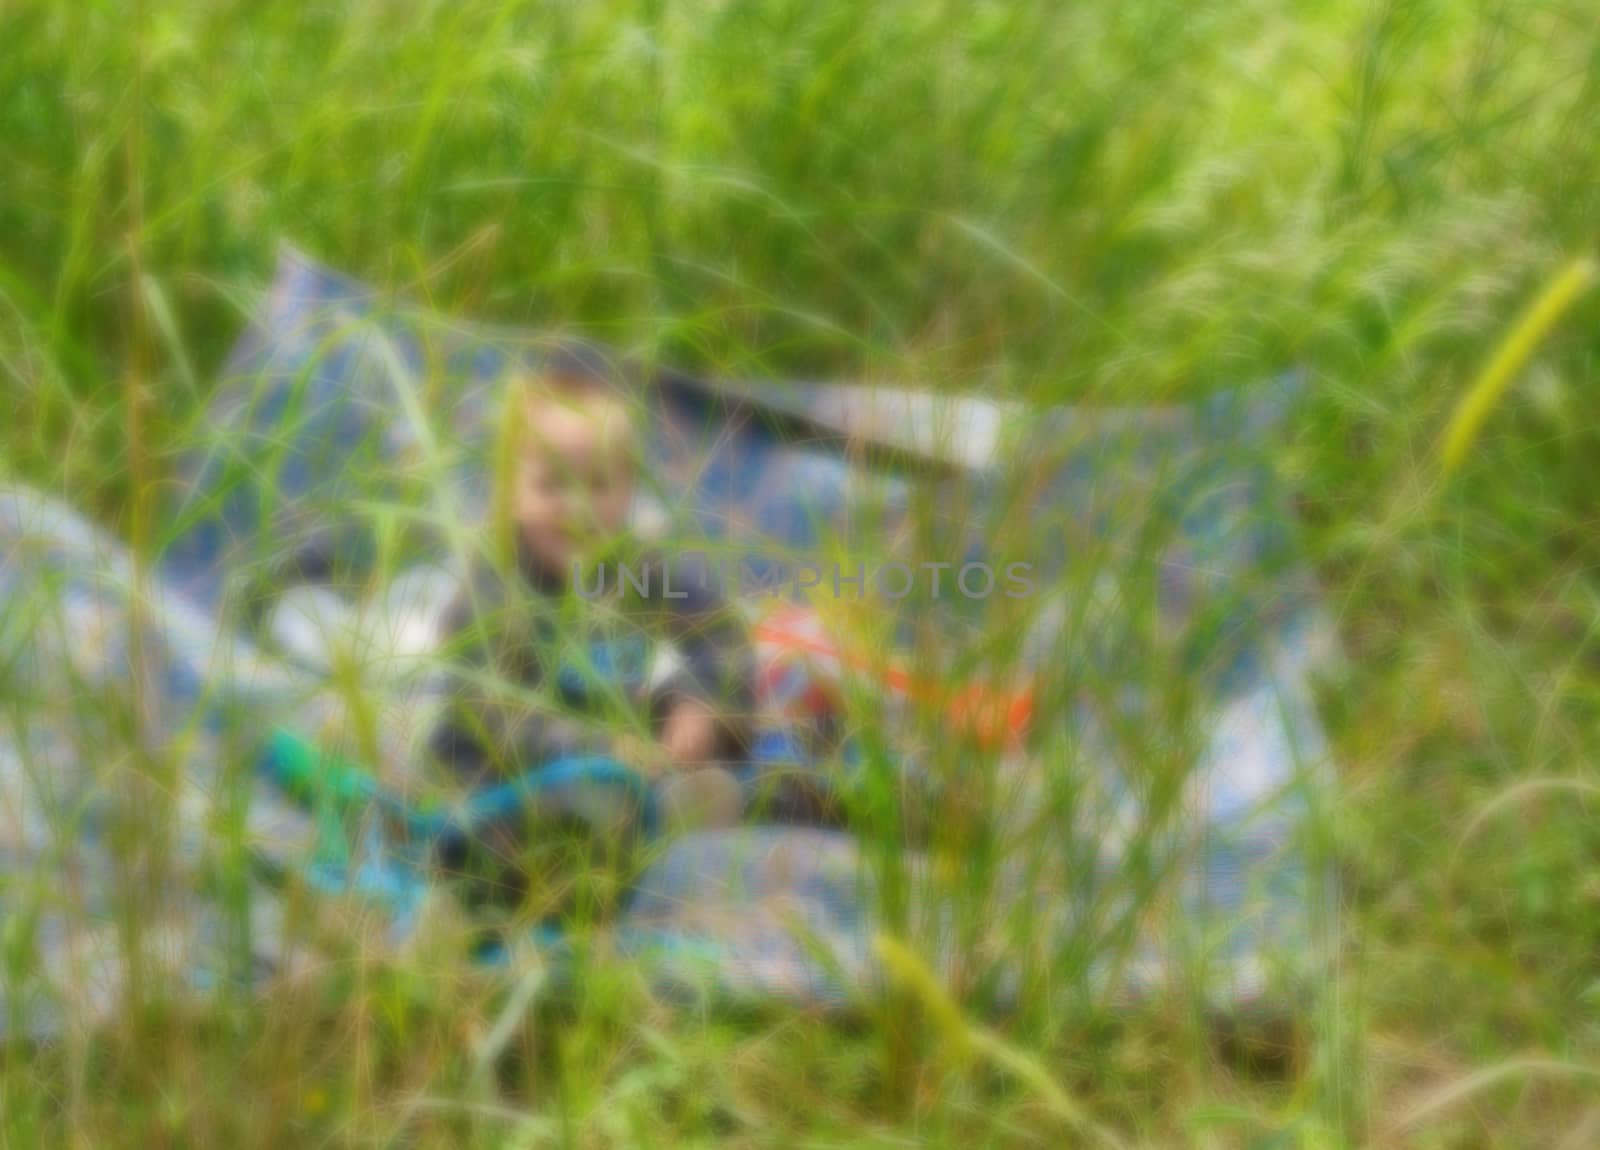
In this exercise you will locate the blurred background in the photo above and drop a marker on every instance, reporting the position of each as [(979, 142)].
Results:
[(1097, 203)]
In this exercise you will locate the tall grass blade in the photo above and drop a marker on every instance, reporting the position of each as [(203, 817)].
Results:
[(1510, 358)]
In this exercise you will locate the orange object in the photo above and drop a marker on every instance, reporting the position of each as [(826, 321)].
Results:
[(989, 715)]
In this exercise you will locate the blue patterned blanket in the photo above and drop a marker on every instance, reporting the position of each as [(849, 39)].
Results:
[(318, 527)]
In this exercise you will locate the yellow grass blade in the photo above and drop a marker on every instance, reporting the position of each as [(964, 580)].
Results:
[(913, 974), (1510, 358), (966, 1039)]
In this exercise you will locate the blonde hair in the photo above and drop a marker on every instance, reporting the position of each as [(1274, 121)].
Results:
[(566, 377)]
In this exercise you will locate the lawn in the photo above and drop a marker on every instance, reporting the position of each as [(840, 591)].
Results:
[(1092, 203)]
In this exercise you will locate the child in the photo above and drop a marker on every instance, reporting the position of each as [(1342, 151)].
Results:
[(549, 670)]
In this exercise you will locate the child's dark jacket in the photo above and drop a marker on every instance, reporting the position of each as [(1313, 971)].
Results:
[(543, 671)]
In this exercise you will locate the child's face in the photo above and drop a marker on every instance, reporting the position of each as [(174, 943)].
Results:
[(573, 478)]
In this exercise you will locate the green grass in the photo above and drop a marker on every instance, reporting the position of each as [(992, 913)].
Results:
[(1136, 201)]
